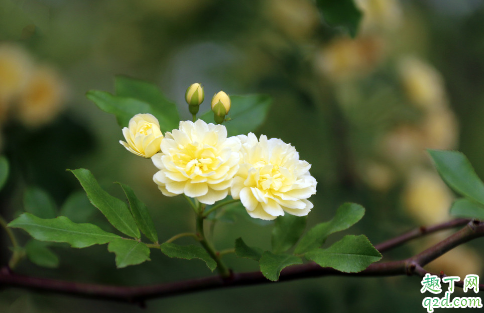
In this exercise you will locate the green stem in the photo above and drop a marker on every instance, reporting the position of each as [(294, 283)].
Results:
[(218, 206), (194, 117), (17, 250), (182, 235), (223, 270), (194, 206), (225, 252)]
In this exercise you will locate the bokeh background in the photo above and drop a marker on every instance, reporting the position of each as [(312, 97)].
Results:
[(361, 110)]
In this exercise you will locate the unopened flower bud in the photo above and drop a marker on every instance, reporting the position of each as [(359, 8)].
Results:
[(143, 136), (194, 97), (224, 99)]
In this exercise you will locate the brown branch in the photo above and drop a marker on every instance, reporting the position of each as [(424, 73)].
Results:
[(139, 294), (419, 232)]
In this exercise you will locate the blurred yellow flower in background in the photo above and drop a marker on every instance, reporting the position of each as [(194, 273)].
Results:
[(346, 58), (422, 83), (426, 197), (42, 98), (440, 130), (379, 15), (459, 261), (15, 70), (143, 136)]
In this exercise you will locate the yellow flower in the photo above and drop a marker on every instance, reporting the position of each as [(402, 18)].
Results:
[(197, 160), (195, 94), (271, 179), (15, 70), (380, 15), (422, 83), (41, 99), (143, 136), (427, 198)]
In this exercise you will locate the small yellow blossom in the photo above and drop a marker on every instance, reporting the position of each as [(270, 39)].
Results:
[(223, 98), (195, 94), (271, 179), (197, 160), (41, 100), (427, 198), (15, 70), (143, 136)]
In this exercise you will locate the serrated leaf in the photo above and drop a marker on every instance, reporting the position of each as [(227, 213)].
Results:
[(163, 109), (39, 203), (343, 13), (247, 113), (346, 216), (78, 208), (351, 254), (4, 169), (123, 108), (61, 229), (115, 210), (467, 209), (129, 252), (287, 231), (39, 254), (188, 252), (457, 172), (141, 214), (272, 264), (244, 251)]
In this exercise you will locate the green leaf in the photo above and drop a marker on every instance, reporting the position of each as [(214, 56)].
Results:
[(123, 108), (4, 169), (38, 253), (129, 252), (457, 172), (343, 13), (351, 254), (468, 209), (141, 214), (163, 109), (61, 229), (188, 252), (346, 216), (287, 231), (39, 203), (244, 251), (272, 264), (247, 113), (78, 208), (115, 210)]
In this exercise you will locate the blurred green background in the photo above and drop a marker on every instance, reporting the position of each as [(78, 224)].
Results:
[(361, 110)]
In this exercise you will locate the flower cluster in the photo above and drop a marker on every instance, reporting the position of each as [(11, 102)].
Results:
[(200, 161)]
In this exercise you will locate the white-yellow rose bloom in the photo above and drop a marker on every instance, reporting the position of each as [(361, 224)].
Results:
[(197, 160), (271, 179), (143, 136)]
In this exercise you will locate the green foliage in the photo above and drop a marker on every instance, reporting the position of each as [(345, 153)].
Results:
[(272, 264), (39, 203), (115, 210), (141, 214), (350, 255), (286, 232), (457, 172), (78, 208), (129, 252), (468, 209), (188, 252), (242, 250), (4, 169), (61, 229), (38, 253), (346, 216), (232, 212), (341, 13), (133, 97), (247, 113), (164, 110)]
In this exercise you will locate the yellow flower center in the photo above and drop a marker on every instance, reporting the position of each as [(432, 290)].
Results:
[(196, 159), (145, 128)]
